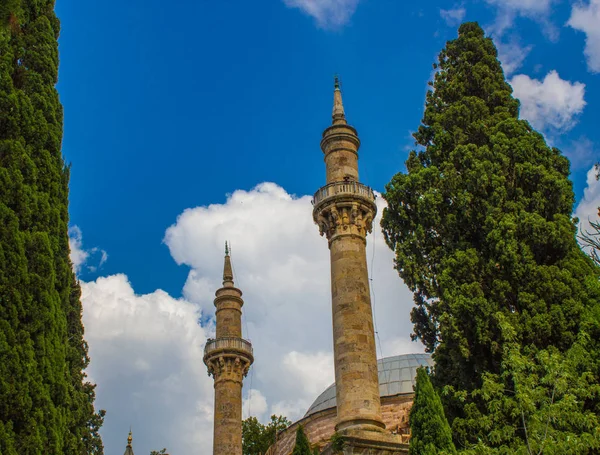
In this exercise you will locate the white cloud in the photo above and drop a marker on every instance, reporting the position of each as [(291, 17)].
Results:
[(553, 102), (311, 374), (327, 13), (587, 209), (147, 350), (512, 55), (453, 16), (255, 404), (586, 18), (80, 256), (146, 353)]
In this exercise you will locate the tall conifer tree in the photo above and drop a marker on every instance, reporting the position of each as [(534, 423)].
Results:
[(482, 232), (46, 406)]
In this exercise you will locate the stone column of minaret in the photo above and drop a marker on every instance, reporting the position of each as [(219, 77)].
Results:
[(344, 210), (228, 358)]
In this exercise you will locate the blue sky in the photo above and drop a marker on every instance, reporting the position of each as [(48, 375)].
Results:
[(172, 106)]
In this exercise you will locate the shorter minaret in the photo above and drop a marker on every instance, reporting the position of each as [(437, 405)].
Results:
[(129, 449), (228, 358)]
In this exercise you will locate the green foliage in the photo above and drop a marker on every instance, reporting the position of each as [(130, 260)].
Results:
[(156, 452), (548, 389), (47, 405), (337, 442), (302, 446), (257, 438), (482, 232), (590, 240), (430, 430)]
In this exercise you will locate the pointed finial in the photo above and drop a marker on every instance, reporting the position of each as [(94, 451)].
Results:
[(338, 115), (129, 438), (227, 269)]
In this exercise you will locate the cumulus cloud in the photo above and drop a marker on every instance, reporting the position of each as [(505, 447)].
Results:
[(453, 16), (551, 103), (146, 353), (282, 266), (80, 256), (587, 209), (327, 13), (586, 18)]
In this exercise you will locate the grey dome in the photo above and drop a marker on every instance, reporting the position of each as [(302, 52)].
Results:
[(396, 375)]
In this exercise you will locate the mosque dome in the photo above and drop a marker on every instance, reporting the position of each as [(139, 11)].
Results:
[(396, 376)]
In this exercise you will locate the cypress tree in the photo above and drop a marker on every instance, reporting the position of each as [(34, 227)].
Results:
[(46, 406), (302, 446), (430, 431), (482, 232)]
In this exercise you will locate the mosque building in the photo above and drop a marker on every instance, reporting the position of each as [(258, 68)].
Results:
[(368, 405)]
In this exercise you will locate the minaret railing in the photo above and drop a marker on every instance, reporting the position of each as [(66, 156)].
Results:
[(342, 188), (227, 343)]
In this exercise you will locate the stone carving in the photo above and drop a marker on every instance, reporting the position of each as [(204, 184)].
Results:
[(340, 217), (224, 367)]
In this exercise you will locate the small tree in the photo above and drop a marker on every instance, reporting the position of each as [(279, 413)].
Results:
[(302, 446), (257, 438), (430, 430)]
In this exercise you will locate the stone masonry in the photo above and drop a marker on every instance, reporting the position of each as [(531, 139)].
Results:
[(228, 358)]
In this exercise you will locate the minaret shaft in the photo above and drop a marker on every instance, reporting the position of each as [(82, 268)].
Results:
[(344, 210), (227, 434), (356, 377), (228, 358)]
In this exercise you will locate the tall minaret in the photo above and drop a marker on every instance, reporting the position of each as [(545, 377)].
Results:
[(344, 210), (228, 358)]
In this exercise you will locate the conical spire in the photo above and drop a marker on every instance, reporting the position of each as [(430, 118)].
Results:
[(338, 115), (227, 270), (129, 448)]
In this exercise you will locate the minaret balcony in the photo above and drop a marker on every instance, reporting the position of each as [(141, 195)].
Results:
[(228, 346), (337, 189), (344, 208)]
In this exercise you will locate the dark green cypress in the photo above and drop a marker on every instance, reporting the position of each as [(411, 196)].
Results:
[(46, 406), (302, 446), (482, 232), (430, 431)]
